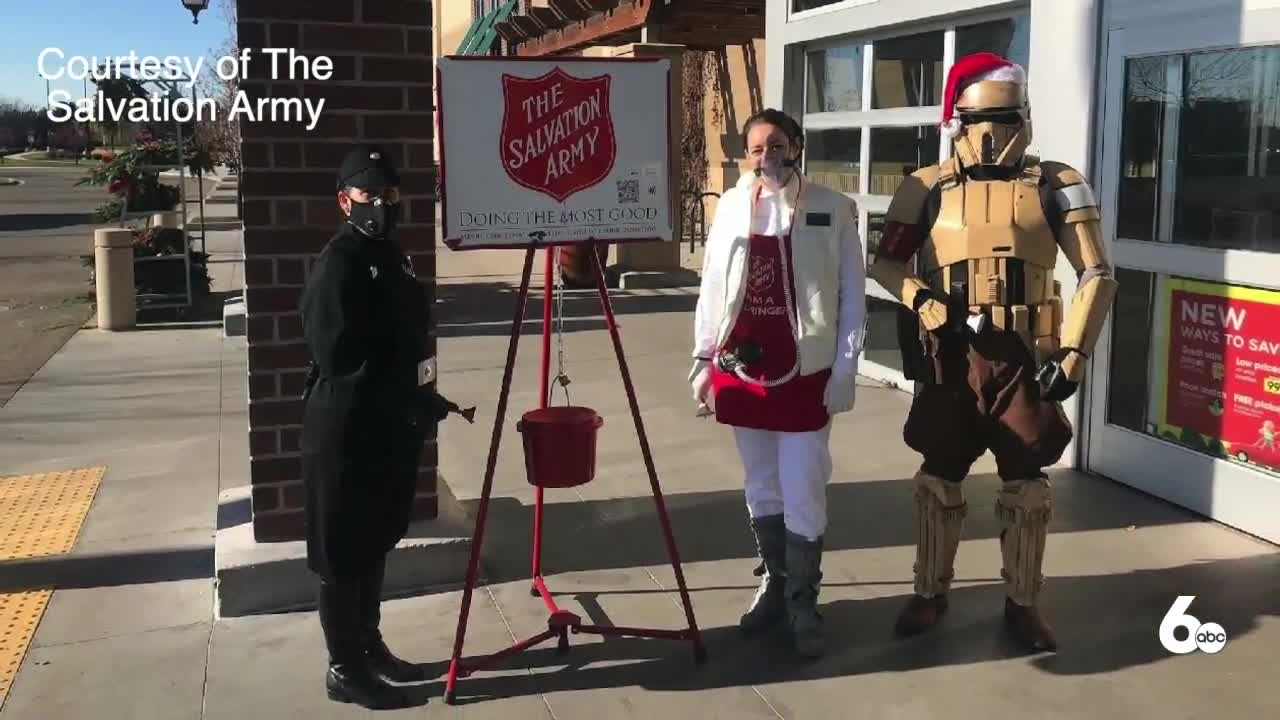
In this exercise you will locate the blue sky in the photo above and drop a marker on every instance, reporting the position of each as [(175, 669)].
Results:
[(109, 28)]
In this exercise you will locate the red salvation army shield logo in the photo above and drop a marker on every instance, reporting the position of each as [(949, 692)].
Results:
[(761, 275), (557, 133)]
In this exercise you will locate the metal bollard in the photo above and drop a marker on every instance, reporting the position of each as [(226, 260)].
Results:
[(113, 276)]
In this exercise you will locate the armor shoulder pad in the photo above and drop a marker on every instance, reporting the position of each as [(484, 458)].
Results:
[(1060, 175), (1068, 188), (908, 203)]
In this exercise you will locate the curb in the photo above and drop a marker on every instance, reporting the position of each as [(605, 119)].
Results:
[(254, 578)]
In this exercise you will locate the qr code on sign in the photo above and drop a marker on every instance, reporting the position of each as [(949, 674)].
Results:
[(628, 191)]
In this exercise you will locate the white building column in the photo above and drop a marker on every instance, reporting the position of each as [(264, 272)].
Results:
[(1063, 76), (775, 52)]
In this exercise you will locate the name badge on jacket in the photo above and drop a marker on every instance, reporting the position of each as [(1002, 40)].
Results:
[(427, 371), (817, 219)]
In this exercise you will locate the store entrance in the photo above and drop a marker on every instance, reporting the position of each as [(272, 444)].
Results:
[(1185, 392)]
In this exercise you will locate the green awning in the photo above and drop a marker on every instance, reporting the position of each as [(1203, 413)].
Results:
[(481, 36)]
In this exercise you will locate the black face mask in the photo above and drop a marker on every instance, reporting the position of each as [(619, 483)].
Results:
[(375, 219)]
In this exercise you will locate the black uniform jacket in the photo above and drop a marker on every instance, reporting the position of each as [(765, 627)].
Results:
[(364, 316)]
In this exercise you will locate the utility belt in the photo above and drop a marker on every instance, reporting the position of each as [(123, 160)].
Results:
[(1037, 325), (1011, 295)]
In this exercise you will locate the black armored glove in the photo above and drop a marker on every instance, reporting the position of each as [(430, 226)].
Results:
[(1055, 386), (932, 308)]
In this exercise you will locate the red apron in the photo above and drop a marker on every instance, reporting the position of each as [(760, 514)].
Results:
[(795, 405)]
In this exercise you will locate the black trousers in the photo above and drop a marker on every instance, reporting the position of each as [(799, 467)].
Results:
[(350, 611)]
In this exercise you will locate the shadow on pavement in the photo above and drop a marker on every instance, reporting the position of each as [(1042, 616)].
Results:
[(712, 526), (1104, 623), (91, 570), (43, 221)]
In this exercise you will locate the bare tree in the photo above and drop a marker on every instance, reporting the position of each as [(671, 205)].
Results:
[(117, 90), (1224, 75), (221, 135)]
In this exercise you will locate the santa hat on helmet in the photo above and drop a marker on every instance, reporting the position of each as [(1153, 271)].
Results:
[(970, 69)]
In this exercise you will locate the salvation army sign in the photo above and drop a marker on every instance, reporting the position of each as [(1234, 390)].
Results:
[(553, 151), (557, 133)]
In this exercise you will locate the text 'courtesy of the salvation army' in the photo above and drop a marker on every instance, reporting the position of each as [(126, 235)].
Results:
[(170, 82), (551, 124)]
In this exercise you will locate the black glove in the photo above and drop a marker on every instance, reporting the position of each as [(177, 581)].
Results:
[(925, 294), (1054, 384), (437, 408), (434, 406), (932, 322)]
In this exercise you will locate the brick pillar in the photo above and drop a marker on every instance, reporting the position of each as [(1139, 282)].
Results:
[(381, 91)]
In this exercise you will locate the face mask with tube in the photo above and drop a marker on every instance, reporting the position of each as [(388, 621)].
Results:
[(774, 169)]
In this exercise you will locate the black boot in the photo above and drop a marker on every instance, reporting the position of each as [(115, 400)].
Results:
[(804, 575), (349, 678), (383, 663), (769, 604)]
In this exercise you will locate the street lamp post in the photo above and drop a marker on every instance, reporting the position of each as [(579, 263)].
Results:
[(195, 6)]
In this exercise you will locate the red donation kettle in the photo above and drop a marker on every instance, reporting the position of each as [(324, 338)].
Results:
[(560, 445)]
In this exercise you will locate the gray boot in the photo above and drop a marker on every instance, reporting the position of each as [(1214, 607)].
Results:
[(804, 573), (769, 605)]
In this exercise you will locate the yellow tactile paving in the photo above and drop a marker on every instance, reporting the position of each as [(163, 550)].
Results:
[(20, 613), (40, 515)]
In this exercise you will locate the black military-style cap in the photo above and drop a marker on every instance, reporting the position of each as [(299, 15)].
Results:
[(367, 166)]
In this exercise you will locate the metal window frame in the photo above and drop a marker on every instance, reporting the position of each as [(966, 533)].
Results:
[(867, 120), (837, 6)]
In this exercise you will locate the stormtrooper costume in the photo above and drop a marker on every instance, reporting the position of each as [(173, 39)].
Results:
[(970, 246), (779, 328)]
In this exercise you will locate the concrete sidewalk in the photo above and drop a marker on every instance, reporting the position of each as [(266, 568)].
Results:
[(164, 411)]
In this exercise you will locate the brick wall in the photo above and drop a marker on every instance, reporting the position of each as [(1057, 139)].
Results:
[(381, 91)]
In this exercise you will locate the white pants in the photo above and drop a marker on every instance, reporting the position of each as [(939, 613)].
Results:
[(787, 474)]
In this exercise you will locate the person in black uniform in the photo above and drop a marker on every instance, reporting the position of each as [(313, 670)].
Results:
[(370, 404)]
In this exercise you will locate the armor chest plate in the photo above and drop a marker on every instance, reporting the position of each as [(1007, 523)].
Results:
[(993, 236), (986, 219)]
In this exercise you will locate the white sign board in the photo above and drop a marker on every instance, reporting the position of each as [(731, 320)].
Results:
[(564, 150)]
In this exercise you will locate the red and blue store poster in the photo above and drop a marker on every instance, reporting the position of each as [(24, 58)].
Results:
[(1221, 387)]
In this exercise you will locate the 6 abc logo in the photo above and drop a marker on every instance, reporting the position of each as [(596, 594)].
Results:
[(1209, 637)]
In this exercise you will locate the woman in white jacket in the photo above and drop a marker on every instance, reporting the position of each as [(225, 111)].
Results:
[(778, 330)]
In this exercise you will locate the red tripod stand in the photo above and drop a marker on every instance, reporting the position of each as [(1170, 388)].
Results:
[(560, 622)]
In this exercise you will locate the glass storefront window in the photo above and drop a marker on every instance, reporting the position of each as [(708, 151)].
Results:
[(1201, 150), (896, 152), (906, 75), (875, 229), (881, 346), (1144, 113), (1130, 354), (1007, 37), (1197, 363), (798, 6), (833, 158), (834, 79), (907, 71)]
